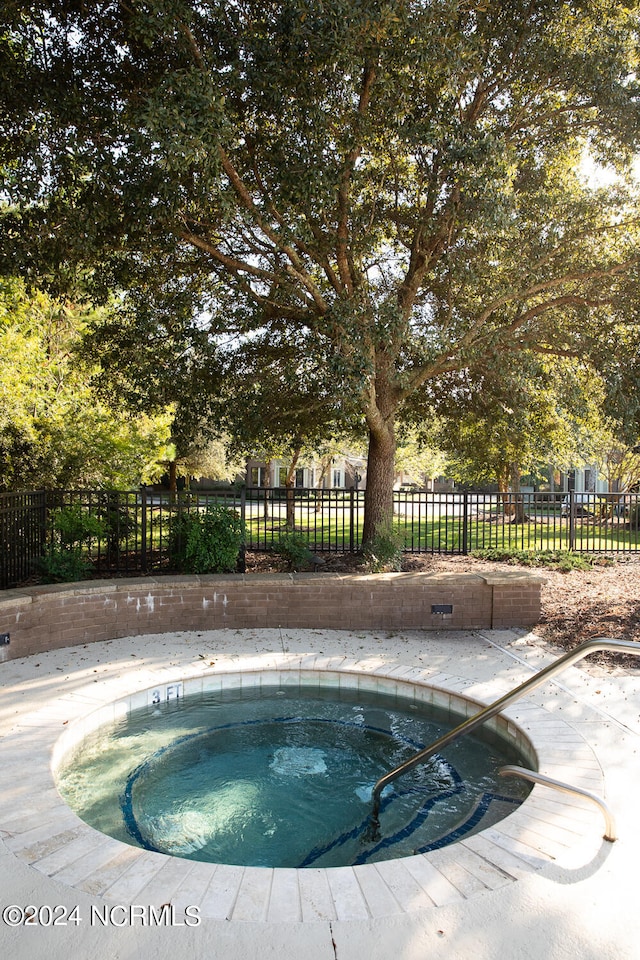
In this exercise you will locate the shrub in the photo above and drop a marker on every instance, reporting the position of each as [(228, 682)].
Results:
[(207, 542), (384, 552), (120, 523), (72, 529), (294, 548)]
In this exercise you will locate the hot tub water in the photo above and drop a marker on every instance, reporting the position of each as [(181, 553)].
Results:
[(272, 776)]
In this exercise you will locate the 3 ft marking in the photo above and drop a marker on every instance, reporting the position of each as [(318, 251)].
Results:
[(172, 691)]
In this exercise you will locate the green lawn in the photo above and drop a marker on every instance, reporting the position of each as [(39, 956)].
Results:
[(447, 534), (424, 527)]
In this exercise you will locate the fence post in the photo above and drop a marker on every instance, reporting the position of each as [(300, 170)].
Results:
[(572, 520), (351, 519), (465, 523), (40, 502), (243, 503), (45, 509), (242, 555), (143, 530)]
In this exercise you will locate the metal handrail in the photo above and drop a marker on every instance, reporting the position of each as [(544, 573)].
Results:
[(596, 645), (511, 770)]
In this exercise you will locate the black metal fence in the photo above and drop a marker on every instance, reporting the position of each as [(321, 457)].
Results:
[(135, 526), (23, 525)]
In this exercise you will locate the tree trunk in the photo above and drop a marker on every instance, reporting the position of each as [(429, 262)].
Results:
[(267, 490), (289, 484), (503, 490), (518, 514), (378, 496)]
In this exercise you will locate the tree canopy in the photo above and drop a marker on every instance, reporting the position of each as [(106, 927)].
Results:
[(54, 430), (500, 422), (391, 186)]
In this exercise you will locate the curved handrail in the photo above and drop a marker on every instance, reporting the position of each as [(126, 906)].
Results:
[(511, 770), (596, 645)]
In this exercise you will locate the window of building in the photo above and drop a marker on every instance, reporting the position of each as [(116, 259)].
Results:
[(589, 479), (258, 476)]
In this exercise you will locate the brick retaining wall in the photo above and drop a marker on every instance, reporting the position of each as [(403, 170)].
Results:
[(47, 617)]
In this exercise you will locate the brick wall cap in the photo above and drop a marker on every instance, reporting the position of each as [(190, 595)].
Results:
[(203, 578), (499, 577), (16, 598), (72, 589), (444, 576)]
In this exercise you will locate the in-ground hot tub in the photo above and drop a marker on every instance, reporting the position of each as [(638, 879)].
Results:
[(86, 687), (276, 770)]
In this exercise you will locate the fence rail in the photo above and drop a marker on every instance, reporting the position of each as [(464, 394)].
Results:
[(135, 525)]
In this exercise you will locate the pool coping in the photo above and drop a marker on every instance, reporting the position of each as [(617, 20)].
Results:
[(44, 833)]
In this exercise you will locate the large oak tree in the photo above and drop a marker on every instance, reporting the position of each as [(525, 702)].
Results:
[(393, 183)]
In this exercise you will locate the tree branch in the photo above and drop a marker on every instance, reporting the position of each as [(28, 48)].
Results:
[(247, 201), (544, 286), (342, 233), (454, 359), (423, 254)]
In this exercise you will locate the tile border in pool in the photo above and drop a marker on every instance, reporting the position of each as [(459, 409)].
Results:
[(47, 835)]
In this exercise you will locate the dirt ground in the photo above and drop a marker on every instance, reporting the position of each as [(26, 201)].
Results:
[(603, 601)]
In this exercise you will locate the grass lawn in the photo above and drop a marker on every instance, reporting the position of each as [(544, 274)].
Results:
[(333, 530)]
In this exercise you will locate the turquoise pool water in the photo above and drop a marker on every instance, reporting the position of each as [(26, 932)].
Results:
[(282, 777)]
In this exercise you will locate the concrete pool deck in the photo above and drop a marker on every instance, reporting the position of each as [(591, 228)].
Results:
[(545, 886)]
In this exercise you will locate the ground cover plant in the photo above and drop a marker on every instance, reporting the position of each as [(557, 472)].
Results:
[(564, 560), (294, 547)]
